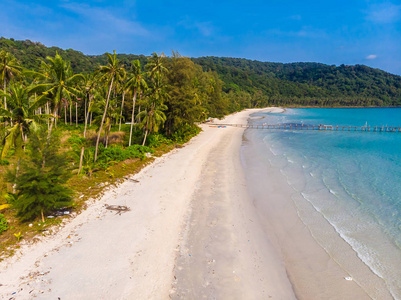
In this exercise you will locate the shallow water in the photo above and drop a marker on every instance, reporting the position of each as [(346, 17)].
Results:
[(351, 178)]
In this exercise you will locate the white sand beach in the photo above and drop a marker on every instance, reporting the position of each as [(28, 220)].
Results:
[(153, 251), (192, 232)]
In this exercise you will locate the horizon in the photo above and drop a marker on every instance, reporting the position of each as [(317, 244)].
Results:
[(368, 32)]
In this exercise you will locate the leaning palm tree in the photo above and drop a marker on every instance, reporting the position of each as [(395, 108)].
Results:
[(56, 81), (112, 72), (9, 69), (135, 85)]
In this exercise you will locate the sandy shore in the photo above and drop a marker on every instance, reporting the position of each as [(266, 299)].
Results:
[(192, 232)]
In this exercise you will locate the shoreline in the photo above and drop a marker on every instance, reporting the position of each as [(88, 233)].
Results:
[(320, 264)]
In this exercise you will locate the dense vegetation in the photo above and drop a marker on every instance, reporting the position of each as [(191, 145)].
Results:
[(58, 127), (247, 83), (309, 84)]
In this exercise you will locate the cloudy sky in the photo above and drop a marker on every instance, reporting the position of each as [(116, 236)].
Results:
[(332, 32)]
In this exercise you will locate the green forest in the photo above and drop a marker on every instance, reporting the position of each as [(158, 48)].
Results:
[(70, 121), (248, 83)]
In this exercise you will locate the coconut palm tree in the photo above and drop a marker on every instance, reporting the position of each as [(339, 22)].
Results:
[(21, 112), (9, 69), (136, 83), (56, 81), (112, 72), (89, 89), (152, 117), (155, 66)]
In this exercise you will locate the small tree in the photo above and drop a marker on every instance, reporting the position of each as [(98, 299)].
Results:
[(40, 185)]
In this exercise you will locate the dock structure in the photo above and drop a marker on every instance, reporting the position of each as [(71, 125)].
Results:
[(317, 127)]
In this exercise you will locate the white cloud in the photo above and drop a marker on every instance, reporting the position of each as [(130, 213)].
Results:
[(371, 56), (304, 32), (103, 19), (384, 13), (204, 28)]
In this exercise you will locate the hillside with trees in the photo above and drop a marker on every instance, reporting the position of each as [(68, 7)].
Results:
[(309, 84), (248, 83)]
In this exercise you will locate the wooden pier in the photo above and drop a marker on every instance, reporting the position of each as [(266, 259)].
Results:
[(317, 127)]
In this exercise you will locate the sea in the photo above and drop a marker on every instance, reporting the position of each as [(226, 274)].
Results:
[(352, 179)]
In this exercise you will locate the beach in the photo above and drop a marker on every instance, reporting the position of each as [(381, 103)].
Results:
[(196, 229)]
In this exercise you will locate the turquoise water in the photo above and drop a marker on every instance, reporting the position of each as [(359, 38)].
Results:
[(352, 178)]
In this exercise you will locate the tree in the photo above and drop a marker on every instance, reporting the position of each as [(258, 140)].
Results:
[(111, 72), (184, 103), (20, 113), (135, 84), (9, 69), (152, 118), (56, 81), (40, 187)]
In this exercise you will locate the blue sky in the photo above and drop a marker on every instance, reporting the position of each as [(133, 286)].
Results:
[(332, 32)]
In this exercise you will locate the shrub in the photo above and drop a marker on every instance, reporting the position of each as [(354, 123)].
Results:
[(3, 223), (154, 140), (75, 139), (117, 153), (40, 182), (4, 162), (185, 133)]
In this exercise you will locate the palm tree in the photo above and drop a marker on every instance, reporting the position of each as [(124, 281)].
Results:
[(22, 113), (135, 84), (56, 81), (152, 118), (155, 66), (89, 89), (9, 69), (112, 72)]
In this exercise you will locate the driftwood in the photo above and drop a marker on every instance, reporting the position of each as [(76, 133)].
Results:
[(118, 208), (130, 179)]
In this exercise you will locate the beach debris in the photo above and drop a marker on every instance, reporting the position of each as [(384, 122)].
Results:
[(130, 179), (118, 208), (348, 278)]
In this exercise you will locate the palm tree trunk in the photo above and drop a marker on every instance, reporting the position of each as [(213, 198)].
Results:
[(48, 112), (87, 116), (104, 116), (81, 160), (106, 135), (70, 112), (144, 139), (121, 112), (65, 113), (54, 120), (16, 174), (86, 98), (76, 113), (5, 89), (146, 131), (132, 118)]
